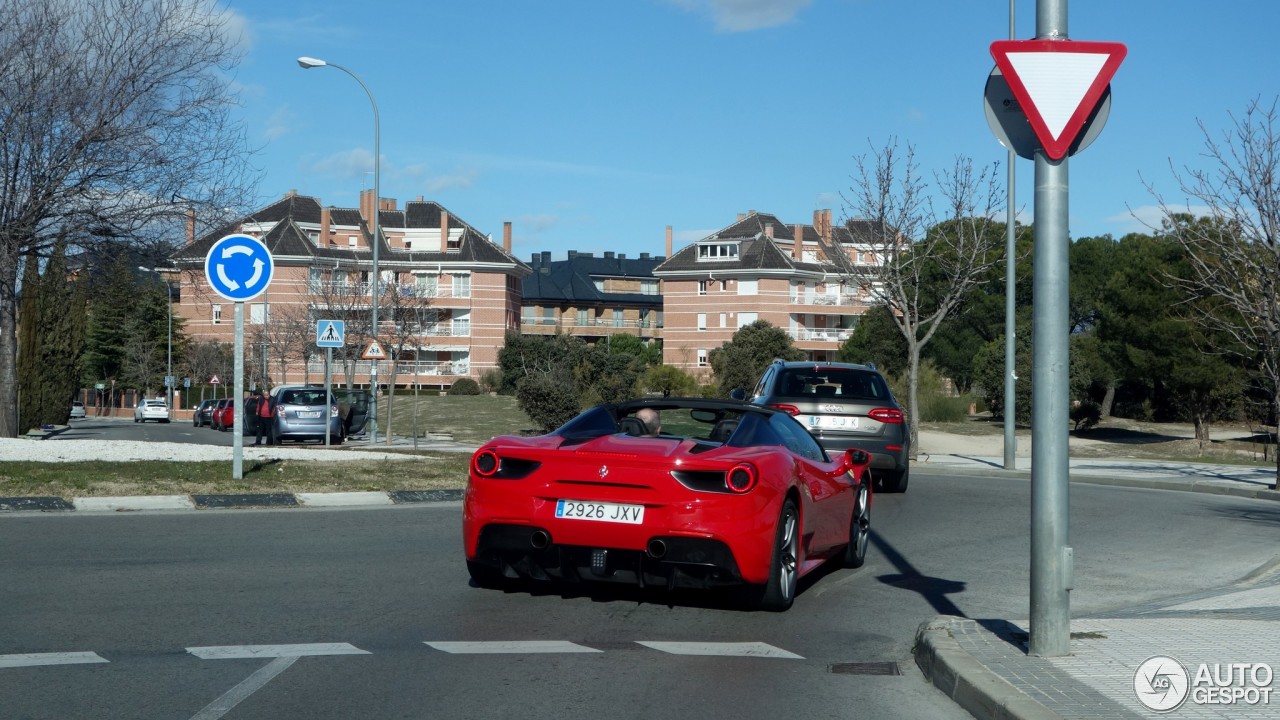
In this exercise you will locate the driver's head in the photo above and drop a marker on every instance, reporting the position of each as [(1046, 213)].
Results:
[(649, 418)]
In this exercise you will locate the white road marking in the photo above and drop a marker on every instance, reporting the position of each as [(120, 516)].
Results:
[(247, 687), (722, 649), (55, 658), (234, 652), (511, 647)]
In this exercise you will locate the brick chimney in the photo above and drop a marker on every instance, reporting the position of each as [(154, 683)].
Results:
[(326, 221), (191, 225), (797, 250), (826, 225), (668, 241), (366, 206), (444, 230), (506, 236)]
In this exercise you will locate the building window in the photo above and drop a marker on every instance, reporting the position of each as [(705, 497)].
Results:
[(749, 287), (257, 313), (617, 317), (599, 283), (462, 324), (427, 286), (583, 320), (351, 241), (702, 357), (217, 314), (408, 244), (648, 287), (702, 287), (526, 314), (724, 320), (746, 318), (548, 316), (461, 286), (702, 321), (717, 251), (315, 280)]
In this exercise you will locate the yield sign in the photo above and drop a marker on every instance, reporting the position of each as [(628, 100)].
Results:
[(374, 351), (1058, 83)]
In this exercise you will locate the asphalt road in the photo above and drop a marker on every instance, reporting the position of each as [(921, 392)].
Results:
[(125, 429), (163, 598)]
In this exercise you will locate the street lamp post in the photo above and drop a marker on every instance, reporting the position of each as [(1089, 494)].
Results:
[(307, 63), (168, 378)]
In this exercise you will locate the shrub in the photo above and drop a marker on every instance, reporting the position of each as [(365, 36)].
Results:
[(548, 401), (1086, 414), (465, 386), (491, 380)]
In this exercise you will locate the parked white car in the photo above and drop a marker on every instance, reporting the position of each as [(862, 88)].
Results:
[(77, 410), (151, 409)]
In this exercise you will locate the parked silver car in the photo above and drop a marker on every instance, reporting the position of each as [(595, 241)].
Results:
[(843, 406), (300, 412)]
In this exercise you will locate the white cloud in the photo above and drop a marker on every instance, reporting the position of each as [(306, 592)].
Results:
[(1146, 218), (733, 16), (346, 164), (457, 179), (539, 222), (279, 123)]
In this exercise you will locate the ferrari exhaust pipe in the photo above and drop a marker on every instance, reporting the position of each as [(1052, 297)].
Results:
[(539, 539), (657, 549)]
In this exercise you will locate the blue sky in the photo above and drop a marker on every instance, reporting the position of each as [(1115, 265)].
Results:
[(593, 124)]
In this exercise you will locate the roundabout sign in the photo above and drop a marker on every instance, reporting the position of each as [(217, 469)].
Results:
[(238, 267)]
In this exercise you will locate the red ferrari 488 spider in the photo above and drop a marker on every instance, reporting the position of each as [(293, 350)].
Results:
[(667, 492)]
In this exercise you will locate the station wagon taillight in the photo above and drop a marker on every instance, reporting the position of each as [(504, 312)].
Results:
[(788, 409), (889, 416)]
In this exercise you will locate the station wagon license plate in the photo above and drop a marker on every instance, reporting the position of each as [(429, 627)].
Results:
[(308, 413), (833, 422), (600, 511)]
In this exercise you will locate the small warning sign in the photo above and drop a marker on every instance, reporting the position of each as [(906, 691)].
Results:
[(214, 380), (374, 351)]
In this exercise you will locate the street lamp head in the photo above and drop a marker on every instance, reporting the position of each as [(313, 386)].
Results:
[(309, 62)]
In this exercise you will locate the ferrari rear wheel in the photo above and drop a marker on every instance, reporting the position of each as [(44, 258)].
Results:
[(855, 553), (784, 570)]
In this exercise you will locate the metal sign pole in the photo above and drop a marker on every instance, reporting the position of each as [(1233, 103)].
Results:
[(328, 383), (237, 442), (1051, 560), (1010, 308)]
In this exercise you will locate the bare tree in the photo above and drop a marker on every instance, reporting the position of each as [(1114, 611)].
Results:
[(925, 262), (407, 308), (206, 359), (1234, 252), (111, 114)]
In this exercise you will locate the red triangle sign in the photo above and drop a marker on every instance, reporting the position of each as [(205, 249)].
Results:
[(1058, 83), (373, 351)]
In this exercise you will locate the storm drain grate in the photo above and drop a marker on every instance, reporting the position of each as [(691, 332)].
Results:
[(872, 668)]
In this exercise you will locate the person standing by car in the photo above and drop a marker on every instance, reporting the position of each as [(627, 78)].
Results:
[(263, 415)]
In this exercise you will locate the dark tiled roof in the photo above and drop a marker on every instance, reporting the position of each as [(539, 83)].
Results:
[(572, 280), (287, 238), (757, 252)]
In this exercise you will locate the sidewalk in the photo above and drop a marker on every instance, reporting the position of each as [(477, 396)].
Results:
[(1174, 655)]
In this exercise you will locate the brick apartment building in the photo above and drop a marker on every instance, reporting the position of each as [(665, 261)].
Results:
[(593, 297), (448, 293), (808, 280)]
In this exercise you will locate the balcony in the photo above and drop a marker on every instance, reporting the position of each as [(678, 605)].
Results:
[(592, 326), (404, 368), (827, 335), (841, 300)]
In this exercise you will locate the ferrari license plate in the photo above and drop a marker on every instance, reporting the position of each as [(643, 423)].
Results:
[(600, 511)]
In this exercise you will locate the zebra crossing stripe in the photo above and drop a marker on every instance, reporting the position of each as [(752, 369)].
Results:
[(722, 649), (236, 652), (57, 658), (511, 647)]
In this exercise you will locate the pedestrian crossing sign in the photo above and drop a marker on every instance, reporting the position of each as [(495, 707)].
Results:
[(374, 351), (330, 333)]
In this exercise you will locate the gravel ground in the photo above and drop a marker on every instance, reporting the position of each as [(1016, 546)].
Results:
[(16, 450)]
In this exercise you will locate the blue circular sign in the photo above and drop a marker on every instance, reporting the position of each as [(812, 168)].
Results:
[(238, 267)]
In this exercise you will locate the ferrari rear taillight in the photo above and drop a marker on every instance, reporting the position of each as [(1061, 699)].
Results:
[(485, 463), (741, 478), (788, 409), (890, 416)]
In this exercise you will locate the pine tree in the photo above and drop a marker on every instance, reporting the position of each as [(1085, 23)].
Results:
[(30, 396), (62, 321)]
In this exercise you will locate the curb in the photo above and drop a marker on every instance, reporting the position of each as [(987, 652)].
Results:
[(251, 501), (1200, 486), (969, 683)]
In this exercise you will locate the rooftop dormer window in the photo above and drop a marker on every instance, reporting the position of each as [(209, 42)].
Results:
[(717, 251)]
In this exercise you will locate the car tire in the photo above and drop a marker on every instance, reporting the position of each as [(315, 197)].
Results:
[(777, 594), (486, 576), (895, 482), (855, 553)]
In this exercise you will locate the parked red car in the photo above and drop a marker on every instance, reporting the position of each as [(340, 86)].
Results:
[(721, 493), (224, 415)]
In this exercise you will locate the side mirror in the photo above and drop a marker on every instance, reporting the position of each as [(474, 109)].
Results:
[(738, 394), (853, 457)]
